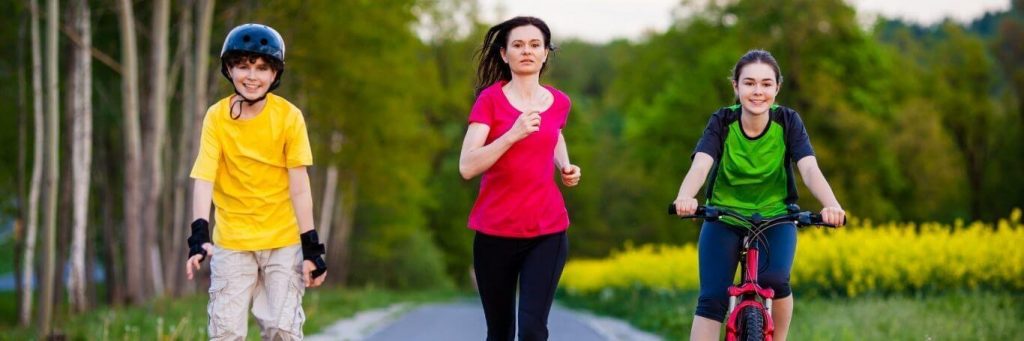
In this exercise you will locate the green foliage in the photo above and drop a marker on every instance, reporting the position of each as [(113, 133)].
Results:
[(908, 122), (355, 68)]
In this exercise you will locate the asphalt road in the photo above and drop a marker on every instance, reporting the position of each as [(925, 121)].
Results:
[(464, 320)]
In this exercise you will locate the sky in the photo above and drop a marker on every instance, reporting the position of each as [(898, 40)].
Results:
[(604, 20)]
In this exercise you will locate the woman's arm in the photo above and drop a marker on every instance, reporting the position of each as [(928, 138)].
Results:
[(477, 157), (831, 212), (570, 173), (686, 202)]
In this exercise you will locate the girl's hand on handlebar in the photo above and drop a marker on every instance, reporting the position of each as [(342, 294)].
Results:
[(685, 206), (833, 215)]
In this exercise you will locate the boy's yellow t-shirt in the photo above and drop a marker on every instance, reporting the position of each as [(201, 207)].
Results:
[(247, 161)]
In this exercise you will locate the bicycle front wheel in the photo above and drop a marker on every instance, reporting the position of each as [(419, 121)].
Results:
[(750, 324)]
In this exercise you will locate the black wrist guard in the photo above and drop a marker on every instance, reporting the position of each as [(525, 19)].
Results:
[(312, 249), (200, 236)]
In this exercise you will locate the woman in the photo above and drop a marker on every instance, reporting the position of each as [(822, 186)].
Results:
[(515, 140), (751, 146)]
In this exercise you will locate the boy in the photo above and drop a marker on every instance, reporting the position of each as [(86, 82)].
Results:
[(252, 165)]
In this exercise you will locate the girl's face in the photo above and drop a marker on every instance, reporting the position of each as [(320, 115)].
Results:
[(252, 78), (756, 88), (525, 52)]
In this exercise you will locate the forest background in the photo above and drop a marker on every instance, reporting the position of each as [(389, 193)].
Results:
[(104, 99)]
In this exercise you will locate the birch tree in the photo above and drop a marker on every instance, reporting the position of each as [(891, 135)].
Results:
[(154, 138), (176, 248), (81, 152), (52, 165), (132, 150), (28, 258)]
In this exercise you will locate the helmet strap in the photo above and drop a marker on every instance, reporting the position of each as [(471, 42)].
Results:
[(250, 102)]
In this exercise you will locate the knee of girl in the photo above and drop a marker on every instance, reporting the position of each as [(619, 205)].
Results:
[(778, 283), (712, 307)]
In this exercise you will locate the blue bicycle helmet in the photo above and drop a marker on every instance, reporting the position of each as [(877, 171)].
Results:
[(254, 38)]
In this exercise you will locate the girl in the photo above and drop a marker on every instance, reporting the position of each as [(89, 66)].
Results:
[(515, 140), (751, 147)]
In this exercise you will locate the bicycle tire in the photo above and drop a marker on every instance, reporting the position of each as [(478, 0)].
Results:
[(750, 324)]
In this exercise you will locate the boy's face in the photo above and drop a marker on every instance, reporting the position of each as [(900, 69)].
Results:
[(252, 78)]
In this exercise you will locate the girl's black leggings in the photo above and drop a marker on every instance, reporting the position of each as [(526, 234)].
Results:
[(718, 256), (535, 264)]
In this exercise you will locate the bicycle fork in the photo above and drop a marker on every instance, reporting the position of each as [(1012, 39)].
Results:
[(748, 281)]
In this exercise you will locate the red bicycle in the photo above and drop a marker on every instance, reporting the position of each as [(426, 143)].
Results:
[(749, 317)]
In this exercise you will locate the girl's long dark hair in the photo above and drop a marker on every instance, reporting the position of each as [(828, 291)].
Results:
[(492, 68)]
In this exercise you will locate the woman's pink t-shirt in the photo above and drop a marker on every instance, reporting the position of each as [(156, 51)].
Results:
[(518, 196)]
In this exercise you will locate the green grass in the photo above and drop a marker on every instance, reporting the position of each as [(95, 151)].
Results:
[(185, 318), (948, 316)]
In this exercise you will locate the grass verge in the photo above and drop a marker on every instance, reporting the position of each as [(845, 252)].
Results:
[(975, 315), (185, 318)]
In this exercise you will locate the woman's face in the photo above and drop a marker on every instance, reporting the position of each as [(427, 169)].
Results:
[(525, 52), (756, 88), (252, 78)]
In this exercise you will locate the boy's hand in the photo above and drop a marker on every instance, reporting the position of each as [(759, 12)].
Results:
[(196, 260), (307, 275), (571, 175)]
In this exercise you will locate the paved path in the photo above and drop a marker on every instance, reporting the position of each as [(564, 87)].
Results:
[(464, 320)]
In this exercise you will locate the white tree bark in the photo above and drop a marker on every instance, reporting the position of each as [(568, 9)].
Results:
[(133, 150), (330, 191), (52, 176), (155, 137), (176, 250), (28, 258), (81, 153)]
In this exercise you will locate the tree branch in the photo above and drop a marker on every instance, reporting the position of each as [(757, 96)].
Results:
[(96, 53)]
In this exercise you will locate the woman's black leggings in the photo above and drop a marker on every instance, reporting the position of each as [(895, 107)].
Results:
[(718, 256), (535, 264)]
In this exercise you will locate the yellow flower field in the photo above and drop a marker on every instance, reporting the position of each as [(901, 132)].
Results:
[(863, 258)]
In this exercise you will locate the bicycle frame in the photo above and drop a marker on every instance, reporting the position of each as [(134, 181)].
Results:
[(748, 292)]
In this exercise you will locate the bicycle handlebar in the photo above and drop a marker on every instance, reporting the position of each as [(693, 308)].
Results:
[(712, 213)]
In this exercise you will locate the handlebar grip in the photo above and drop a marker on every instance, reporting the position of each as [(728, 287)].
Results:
[(700, 213), (816, 219)]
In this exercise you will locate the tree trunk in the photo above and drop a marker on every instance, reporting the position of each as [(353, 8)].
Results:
[(330, 189), (113, 253), (176, 250), (154, 142), (338, 248), (133, 150), (81, 153), (28, 258), (52, 165)]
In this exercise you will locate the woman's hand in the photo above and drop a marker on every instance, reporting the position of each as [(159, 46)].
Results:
[(527, 123), (685, 206), (833, 215), (571, 175)]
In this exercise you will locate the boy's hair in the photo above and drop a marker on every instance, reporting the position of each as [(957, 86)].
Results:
[(233, 58)]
